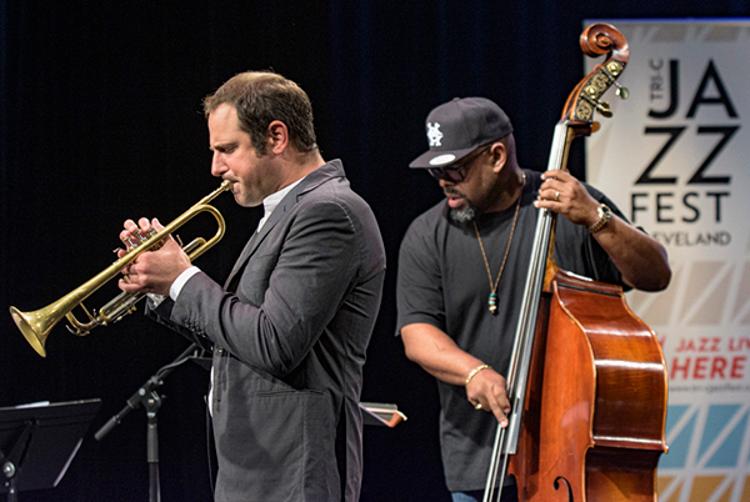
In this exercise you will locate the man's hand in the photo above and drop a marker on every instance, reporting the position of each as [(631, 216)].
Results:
[(562, 193), (487, 388), (152, 271)]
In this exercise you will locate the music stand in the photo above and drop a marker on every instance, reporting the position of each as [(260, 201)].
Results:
[(382, 414), (39, 441)]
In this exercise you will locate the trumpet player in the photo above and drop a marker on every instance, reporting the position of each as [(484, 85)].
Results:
[(291, 323)]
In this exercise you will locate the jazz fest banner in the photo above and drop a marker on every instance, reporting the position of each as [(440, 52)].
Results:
[(675, 158)]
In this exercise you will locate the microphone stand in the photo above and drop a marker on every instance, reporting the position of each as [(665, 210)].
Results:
[(12, 463), (148, 397)]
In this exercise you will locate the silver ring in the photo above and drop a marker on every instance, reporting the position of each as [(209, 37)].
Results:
[(557, 196), (478, 406)]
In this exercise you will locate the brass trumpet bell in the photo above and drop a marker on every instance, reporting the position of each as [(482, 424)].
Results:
[(35, 326)]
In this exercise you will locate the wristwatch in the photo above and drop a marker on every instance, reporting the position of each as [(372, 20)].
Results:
[(605, 214)]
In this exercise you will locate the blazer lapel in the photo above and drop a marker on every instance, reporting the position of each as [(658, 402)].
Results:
[(249, 246), (313, 180), (254, 242)]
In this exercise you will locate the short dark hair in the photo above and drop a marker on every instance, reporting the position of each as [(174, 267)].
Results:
[(261, 97)]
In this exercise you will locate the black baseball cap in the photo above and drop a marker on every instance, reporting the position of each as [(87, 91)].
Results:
[(458, 127)]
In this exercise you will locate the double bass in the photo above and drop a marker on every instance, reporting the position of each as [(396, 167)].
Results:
[(587, 381)]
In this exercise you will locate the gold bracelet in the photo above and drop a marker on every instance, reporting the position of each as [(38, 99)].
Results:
[(474, 372)]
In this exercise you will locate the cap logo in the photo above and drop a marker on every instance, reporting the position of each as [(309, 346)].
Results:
[(442, 159), (434, 136)]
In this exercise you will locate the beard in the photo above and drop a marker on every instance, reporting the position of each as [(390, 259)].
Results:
[(463, 215)]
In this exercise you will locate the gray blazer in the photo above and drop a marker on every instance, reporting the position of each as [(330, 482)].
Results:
[(290, 328)]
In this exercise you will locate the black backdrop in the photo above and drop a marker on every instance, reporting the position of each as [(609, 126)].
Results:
[(101, 121)]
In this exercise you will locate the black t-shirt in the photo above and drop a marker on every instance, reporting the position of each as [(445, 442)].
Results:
[(442, 281)]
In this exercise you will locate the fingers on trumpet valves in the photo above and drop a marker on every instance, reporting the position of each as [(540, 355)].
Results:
[(145, 229), (133, 235), (133, 241), (130, 235)]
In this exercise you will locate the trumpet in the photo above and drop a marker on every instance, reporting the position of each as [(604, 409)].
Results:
[(37, 325)]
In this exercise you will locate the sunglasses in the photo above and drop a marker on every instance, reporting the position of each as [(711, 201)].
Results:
[(456, 172)]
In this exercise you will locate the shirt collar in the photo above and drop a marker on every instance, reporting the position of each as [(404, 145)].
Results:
[(271, 201)]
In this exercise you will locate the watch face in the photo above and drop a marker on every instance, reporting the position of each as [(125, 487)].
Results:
[(605, 214)]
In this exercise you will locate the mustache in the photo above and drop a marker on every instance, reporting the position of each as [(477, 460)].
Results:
[(452, 192)]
